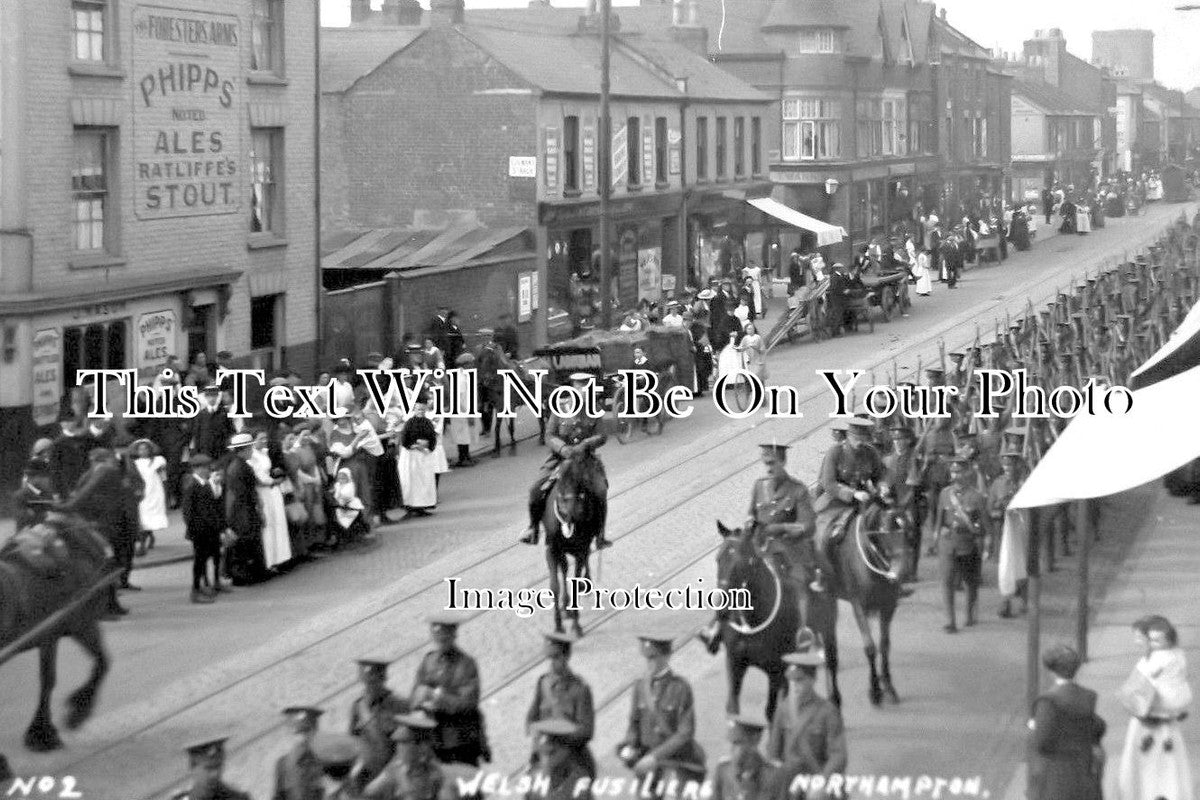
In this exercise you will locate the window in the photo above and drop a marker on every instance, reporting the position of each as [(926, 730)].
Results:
[(98, 346), (660, 150), (811, 128), (870, 128), (264, 321), (976, 137), (266, 36), (266, 172), (920, 124), (93, 215), (570, 154), (755, 145), (87, 29), (634, 150), (721, 148), (739, 147), (701, 148), (892, 128), (818, 40)]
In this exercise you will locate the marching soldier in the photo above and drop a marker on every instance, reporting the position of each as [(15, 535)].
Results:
[(661, 736), (557, 763), (566, 437), (782, 513), (337, 753), (901, 473), (414, 773), (807, 735), (745, 774), (561, 694), (852, 473), (934, 449), (447, 688), (298, 773), (373, 718), (961, 526), (206, 762)]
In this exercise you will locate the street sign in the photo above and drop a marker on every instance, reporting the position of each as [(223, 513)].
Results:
[(522, 166)]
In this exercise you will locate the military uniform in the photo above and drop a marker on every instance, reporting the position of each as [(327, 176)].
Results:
[(210, 755), (404, 780), (568, 432), (567, 697), (845, 470), (662, 722), (459, 735), (753, 779), (808, 739), (961, 526), (901, 473), (565, 784), (787, 503), (299, 776), (374, 722)]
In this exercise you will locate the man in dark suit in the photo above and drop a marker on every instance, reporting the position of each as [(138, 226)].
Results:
[(69, 456), (242, 513), (1068, 761), (439, 329), (506, 336), (211, 427), (101, 497), (203, 509)]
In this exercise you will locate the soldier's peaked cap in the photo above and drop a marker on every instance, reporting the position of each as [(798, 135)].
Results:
[(372, 664), (655, 640), (335, 749), (445, 620), (745, 726), (777, 450), (861, 425), (840, 424), (210, 751), (307, 712)]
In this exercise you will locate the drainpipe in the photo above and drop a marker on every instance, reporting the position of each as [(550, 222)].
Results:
[(318, 297)]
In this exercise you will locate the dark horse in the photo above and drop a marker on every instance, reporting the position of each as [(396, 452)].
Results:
[(44, 568), (571, 520), (761, 637)]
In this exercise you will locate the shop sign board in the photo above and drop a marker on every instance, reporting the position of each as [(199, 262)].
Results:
[(155, 340), (522, 167), (47, 375), (589, 158), (551, 159), (188, 92), (524, 297)]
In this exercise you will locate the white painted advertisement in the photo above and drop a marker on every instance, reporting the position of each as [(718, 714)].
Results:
[(650, 274), (155, 340), (47, 375)]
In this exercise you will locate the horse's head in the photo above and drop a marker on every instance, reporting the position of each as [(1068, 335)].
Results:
[(737, 555), (573, 489)]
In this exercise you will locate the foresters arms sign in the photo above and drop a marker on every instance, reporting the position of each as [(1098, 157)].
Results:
[(187, 123)]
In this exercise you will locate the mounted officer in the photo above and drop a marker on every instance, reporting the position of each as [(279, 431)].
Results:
[(781, 512), (569, 437)]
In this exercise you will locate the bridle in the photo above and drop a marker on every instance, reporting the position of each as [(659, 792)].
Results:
[(739, 623)]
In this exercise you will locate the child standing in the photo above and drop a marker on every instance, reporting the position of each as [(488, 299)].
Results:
[(204, 515)]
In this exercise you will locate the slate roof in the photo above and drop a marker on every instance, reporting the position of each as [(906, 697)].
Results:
[(790, 14), (1049, 98), (348, 54)]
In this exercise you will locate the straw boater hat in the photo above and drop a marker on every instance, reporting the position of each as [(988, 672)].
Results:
[(239, 440)]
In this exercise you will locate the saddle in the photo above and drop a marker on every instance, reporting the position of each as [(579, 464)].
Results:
[(41, 549)]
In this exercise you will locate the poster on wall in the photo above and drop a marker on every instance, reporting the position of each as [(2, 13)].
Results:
[(187, 113), (650, 274), (534, 288), (648, 152), (47, 376), (551, 160), (524, 297), (589, 158), (155, 341), (674, 151), (627, 272)]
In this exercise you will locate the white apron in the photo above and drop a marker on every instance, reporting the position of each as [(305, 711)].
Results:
[(416, 470), (152, 509)]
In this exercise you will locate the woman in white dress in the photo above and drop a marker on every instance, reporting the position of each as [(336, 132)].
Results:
[(277, 544), (1083, 218), (754, 352), (730, 359), (920, 270), (1154, 763), (416, 464), (152, 509)]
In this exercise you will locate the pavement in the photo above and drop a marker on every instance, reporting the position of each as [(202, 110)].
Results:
[(182, 671)]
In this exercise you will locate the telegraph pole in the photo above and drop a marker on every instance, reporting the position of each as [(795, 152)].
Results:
[(605, 171)]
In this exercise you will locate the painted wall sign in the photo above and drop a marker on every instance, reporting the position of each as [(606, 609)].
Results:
[(552, 159), (187, 113), (648, 151), (589, 158), (534, 288), (47, 375), (620, 156), (674, 151), (155, 340), (522, 166)]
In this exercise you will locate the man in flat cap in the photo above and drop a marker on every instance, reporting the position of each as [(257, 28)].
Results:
[(203, 511), (661, 737), (210, 429), (373, 718), (745, 774), (414, 773), (298, 773), (561, 694), (807, 735), (554, 739), (447, 689), (781, 513), (961, 528), (570, 437), (206, 763)]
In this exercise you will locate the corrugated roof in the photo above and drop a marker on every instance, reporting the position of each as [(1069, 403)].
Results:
[(399, 249), (1049, 98), (348, 54)]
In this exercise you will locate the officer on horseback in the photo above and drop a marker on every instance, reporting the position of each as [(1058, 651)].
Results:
[(781, 513), (566, 438)]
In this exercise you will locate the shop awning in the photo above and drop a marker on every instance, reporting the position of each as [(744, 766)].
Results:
[(826, 234)]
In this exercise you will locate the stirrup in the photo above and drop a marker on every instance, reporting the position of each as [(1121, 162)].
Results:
[(711, 638), (805, 639), (602, 543)]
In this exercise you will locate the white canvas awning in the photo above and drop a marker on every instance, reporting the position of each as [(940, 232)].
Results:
[(826, 234)]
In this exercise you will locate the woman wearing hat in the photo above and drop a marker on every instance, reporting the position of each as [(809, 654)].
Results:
[(416, 463), (276, 540)]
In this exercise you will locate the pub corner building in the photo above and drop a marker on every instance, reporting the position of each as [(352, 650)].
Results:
[(158, 185)]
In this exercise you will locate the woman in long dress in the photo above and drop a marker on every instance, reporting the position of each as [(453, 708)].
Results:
[(464, 432), (754, 352), (1154, 763), (730, 359), (277, 544), (416, 464), (152, 508)]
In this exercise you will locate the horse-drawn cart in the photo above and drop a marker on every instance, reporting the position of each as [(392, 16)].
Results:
[(888, 292), (808, 317), (988, 248)]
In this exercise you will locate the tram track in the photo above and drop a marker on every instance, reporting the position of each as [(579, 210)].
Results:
[(665, 478)]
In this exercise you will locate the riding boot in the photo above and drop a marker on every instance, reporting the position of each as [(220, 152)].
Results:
[(711, 636), (537, 507), (601, 541)]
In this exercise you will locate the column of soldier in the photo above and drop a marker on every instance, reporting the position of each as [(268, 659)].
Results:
[(411, 747)]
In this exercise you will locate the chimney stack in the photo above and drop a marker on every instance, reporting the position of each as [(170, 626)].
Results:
[(446, 12), (402, 12), (360, 11), (942, 13), (686, 28)]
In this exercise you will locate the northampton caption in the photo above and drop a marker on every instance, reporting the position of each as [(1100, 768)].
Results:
[(642, 395)]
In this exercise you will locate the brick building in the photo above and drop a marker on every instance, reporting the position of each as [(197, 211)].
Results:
[(159, 192), (522, 106)]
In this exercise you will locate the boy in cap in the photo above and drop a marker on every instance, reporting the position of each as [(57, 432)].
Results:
[(961, 527), (373, 718), (807, 734), (745, 774), (211, 428), (447, 688), (661, 737), (562, 694), (414, 773), (298, 773), (203, 511), (555, 741), (206, 762)]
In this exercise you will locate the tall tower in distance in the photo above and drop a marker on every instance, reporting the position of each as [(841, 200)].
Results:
[(1128, 54)]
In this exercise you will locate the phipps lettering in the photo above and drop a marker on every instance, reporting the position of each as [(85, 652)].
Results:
[(185, 77)]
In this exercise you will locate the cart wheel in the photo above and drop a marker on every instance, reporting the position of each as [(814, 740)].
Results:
[(886, 301)]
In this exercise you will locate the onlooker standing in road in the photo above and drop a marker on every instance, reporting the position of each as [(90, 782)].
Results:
[(242, 513), (151, 467), (464, 431), (1068, 762), (439, 329), (455, 343), (203, 512), (1154, 763), (506, 335), (69, 458), (210, 429)]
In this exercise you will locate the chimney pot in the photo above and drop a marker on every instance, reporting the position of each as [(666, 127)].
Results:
[(446, 12), (942, 13)]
